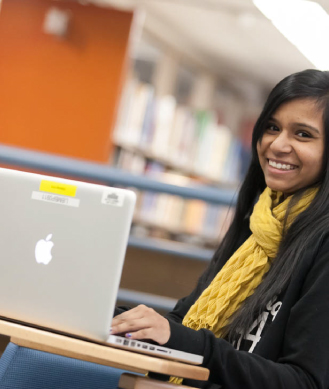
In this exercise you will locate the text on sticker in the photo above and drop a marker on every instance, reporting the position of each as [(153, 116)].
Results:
[(58, 188)]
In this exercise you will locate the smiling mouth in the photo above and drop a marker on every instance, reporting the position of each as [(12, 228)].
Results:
[(282, 166)]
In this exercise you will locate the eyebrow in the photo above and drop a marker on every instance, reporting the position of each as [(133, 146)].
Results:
[(300, 124), (309, 127)]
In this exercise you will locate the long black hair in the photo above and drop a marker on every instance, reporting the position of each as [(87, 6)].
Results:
[(307, 228)]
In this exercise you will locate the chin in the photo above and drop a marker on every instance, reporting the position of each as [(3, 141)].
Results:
[(278, 187)]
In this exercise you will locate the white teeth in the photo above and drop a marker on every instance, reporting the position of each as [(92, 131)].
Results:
[(281, 166)]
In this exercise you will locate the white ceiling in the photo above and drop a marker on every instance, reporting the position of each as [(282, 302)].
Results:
[(231, 38)]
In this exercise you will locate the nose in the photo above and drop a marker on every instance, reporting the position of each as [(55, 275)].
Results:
[(281, 143)]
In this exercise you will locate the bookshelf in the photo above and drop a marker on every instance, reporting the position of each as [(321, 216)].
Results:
[(170, 129)]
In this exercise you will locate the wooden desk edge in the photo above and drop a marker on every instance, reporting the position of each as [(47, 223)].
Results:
[(75, 348)]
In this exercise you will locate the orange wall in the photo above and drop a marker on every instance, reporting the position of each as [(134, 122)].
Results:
[(60, 95)]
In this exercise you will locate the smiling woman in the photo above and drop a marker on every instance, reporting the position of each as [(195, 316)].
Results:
[(291, 149), (266, 289)]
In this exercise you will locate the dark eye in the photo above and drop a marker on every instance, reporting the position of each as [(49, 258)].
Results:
[(303, 134), (272, 127)]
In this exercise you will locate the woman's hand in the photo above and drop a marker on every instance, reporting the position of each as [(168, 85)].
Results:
[(142, 323)]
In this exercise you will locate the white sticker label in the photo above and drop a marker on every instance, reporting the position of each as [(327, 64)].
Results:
[(112, 198), (53, 198)]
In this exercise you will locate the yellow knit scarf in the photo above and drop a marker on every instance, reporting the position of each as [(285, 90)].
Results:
[(244, 271)]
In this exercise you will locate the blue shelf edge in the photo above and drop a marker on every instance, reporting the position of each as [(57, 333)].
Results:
[(85, 170), (173, 248)]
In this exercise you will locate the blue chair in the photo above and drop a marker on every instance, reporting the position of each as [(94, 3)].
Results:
[(24, 368)]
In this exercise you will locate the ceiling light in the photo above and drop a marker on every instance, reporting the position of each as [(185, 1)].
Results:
[(304, 23)]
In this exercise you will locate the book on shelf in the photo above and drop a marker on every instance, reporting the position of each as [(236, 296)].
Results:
[(165, 107), (182, 217), (176, 216), (194, 216), (132, 162), (186, 139), (232, 170), (133, 115)]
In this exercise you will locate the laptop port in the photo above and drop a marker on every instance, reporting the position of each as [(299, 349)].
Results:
[(152, 348), (144, 346), (163, 351), (126, 342), (133, 344)]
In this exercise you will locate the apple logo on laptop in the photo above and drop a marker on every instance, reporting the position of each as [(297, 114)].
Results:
[(43, 250)]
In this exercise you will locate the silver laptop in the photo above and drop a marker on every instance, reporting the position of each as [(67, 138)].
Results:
[(63, 244)]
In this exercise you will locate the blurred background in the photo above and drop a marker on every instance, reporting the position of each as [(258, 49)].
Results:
[(163, 89)]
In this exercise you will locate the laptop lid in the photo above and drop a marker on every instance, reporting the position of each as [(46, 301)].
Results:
[(62, 246)]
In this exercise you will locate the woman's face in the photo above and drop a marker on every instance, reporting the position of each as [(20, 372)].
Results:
[(291, 149)]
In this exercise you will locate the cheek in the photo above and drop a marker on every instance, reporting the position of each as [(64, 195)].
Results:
[(318, 166), (314, 162)]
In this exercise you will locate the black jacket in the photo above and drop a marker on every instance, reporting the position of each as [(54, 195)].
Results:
[(288, 346)]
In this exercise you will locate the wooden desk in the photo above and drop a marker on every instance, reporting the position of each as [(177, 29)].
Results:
[(104, 355)]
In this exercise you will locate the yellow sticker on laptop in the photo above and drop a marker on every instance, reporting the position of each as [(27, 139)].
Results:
[(58, 188)]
